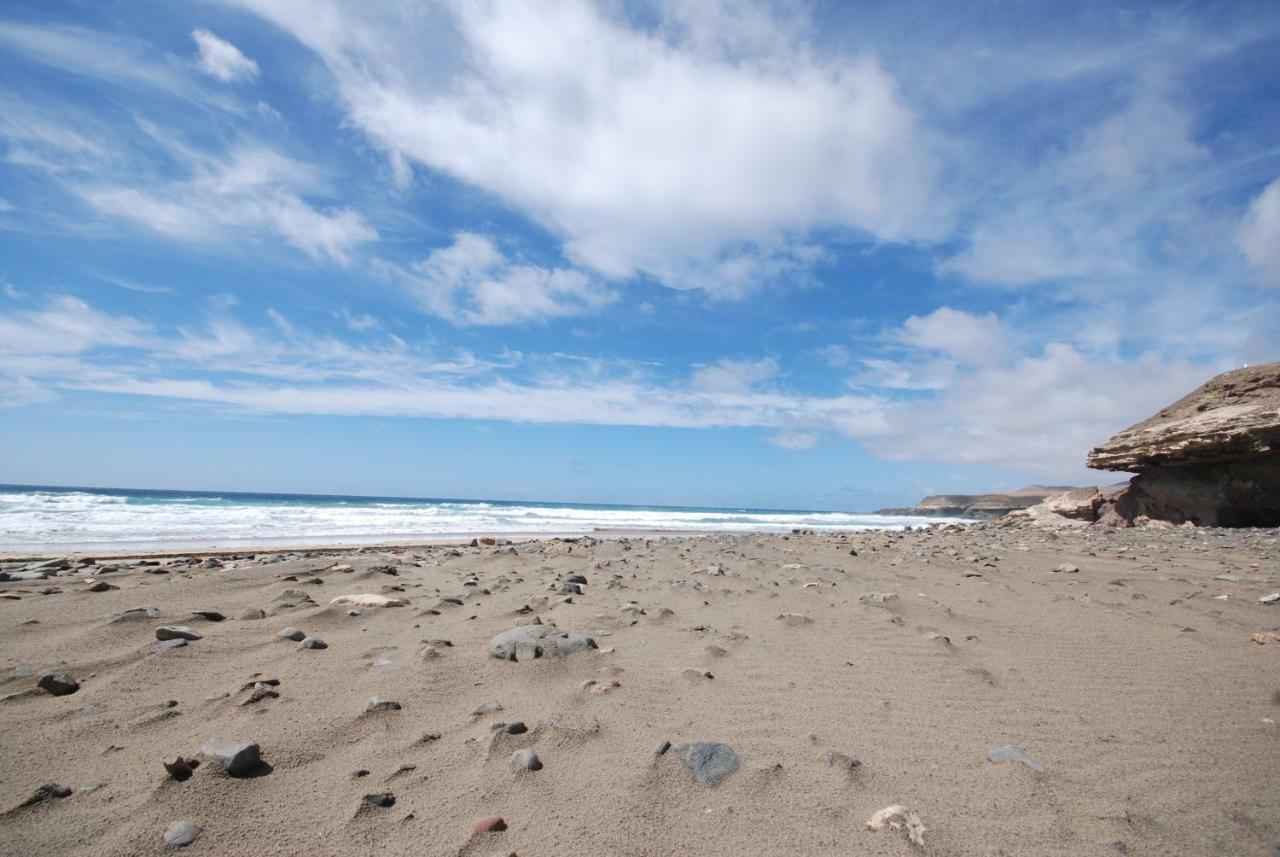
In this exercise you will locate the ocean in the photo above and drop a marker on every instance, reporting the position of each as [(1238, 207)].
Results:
[(42, 518)]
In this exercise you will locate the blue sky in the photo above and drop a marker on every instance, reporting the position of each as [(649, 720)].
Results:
[(787, 255)]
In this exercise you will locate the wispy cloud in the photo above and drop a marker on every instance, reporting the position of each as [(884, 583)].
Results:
[(219, 58)]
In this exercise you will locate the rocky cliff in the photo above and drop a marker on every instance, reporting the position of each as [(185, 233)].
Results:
[(977, 505), (1211, 458)]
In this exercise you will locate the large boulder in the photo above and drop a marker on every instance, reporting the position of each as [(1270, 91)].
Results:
[(1211, 458)]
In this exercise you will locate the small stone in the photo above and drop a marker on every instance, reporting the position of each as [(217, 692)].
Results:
[(1270, 599), (46, 791), (100, 586), (381, 799), (709, 762), (209, 615), (1010, 753), (181, 833), (292, 634), (1065, 568), (492, 824), (662, 748), (237, 760), (176, 632), (380, 704), (1229, 578), (526, 759), (515, 728), (313, 643), (489, 707), (167, 645), (178, 767), (837, 759), (59, 684), (794, 620)]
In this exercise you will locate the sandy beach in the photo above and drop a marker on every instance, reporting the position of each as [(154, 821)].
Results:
[(842, 673)]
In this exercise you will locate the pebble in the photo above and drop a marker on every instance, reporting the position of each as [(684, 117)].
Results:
[(181, 833), (526, 759), (492, 824), (382, 799), (292, 634), (487, 708), (176, 632), (236, 759), (58, 684), (313, 643), (709, 762), (178, 767), (794, 619), (1065, 568), (515, 728), (166, 645)]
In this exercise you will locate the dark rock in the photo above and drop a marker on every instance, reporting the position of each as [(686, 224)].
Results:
[(210, 615), (292, 634), (59, 684), (176, 632), (380, 799), (526, 759), (313, 643), (492, 824), (381, 704), (178, 767)]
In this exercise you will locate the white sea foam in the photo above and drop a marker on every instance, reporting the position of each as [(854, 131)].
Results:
[(34, 519)]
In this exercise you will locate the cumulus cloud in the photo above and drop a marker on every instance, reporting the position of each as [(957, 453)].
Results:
[(219, 58), (645, 151), (472, 281), (958, 335), (1259, 235)]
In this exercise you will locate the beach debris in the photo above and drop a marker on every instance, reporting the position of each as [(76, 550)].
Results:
[(234, 759), (1264, 637), (709, 762), (530, 642), (58, 684), (369, 599), (180, 834), (177, 632), (898, 817), (1010, 753), (526, 759)]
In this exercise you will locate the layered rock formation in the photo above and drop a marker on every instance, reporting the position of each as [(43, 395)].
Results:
[(978, 506), (1211, 458)]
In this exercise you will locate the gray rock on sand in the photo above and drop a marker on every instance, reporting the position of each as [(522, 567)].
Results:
[(708, 762), (135, 614), (526, 759), (1065, 568), (880, 599), (1010, 753), (292, 634), (58, 684), (176, 632), (236, 759), (313, 643), (529, 642), (181, 833)]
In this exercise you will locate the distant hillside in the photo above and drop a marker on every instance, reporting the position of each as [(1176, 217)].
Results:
[(979, 505)]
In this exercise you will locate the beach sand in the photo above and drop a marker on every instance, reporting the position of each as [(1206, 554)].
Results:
[(891, 677)]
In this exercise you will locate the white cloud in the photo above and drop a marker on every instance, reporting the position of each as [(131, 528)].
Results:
[(645, 151), (1037, 415), (221, 59), (248, 192), (1259, 235), (734, 376), (958, 335), (471, 281), (796, 441)]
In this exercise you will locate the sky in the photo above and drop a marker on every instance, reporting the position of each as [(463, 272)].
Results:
[(779, 255)]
